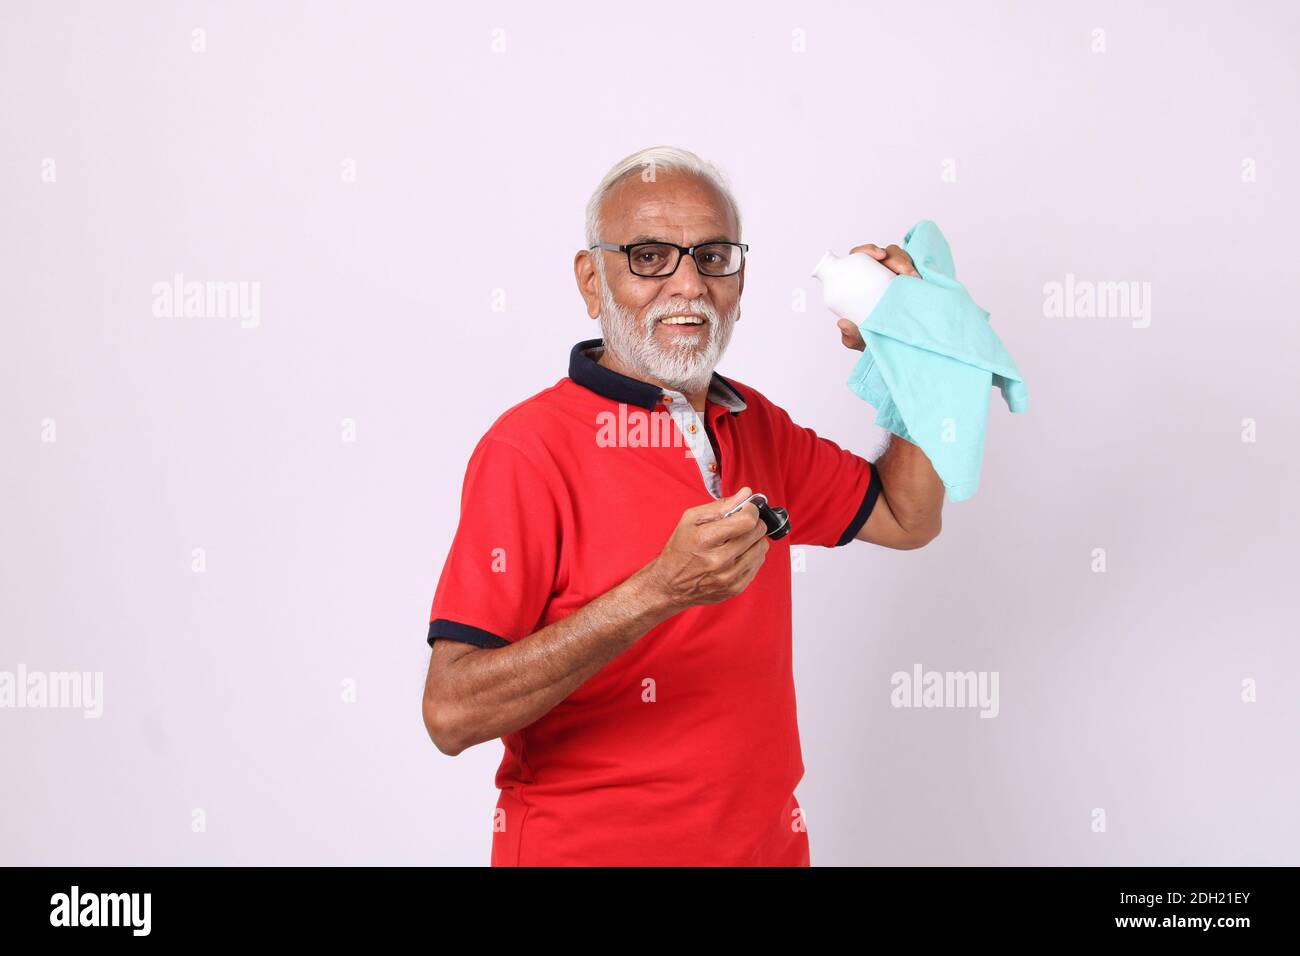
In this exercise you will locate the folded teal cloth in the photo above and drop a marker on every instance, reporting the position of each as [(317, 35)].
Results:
[(931, 361)]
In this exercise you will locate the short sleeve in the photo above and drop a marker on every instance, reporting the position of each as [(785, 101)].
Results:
[(829, 491), (504, 559)]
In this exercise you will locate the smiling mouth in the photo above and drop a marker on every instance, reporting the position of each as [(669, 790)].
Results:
[(681, 320)]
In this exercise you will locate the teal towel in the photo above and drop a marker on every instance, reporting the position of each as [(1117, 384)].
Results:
[(931, 361)]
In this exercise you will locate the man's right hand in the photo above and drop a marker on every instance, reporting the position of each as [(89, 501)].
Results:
[(475, 694), (710, 558)]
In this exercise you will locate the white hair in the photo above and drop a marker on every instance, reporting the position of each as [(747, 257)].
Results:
[(654, 158)]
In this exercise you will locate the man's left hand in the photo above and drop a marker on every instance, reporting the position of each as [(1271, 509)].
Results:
[(899, 262)]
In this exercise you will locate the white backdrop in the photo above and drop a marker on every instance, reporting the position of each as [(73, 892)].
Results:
[(380, 175)]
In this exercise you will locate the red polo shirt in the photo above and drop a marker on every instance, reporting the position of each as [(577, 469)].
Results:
[(684, 749)]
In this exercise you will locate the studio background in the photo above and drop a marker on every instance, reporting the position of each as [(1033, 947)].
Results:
[(404, 183)]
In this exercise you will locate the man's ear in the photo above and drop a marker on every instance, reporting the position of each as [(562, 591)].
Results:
[(741, 291), (584, 271)]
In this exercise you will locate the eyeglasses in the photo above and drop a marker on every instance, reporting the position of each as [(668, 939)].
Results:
[(658, 260)]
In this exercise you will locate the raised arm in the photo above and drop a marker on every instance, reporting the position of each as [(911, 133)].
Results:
[(908, 513)]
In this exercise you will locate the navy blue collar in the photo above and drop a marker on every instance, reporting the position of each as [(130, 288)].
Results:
[(584, 370)]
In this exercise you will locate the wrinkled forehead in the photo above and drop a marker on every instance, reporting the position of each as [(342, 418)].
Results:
[(679, 207)]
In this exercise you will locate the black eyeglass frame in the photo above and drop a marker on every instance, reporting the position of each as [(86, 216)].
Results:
[(681, 251)]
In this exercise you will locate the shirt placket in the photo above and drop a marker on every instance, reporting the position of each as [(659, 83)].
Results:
[(696, 436)]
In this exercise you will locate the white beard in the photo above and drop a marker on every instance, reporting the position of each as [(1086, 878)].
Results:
[(686, 365)]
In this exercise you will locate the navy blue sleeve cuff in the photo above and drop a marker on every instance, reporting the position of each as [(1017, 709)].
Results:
[(453, 630), (864, 509)]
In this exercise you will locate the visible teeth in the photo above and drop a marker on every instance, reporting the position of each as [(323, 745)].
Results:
[(682, 320)]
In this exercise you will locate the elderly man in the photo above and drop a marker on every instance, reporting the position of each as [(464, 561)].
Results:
[(601, 610)]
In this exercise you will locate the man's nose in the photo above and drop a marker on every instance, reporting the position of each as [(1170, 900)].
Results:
[(686, 281)]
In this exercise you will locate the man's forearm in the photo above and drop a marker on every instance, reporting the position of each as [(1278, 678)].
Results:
[(911, 487), (489, 694)]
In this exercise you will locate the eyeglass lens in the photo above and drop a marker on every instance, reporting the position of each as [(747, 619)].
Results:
[(714, 259)]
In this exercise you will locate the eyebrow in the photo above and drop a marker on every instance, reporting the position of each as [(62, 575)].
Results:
[(648, 238)]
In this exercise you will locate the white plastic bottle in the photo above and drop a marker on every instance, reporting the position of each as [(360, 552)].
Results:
[(852, 285)]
